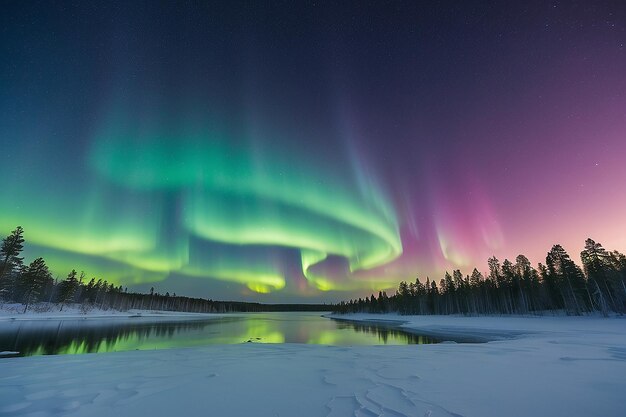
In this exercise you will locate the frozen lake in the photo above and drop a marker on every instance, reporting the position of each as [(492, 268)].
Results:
[(568, 366), (75, 336)]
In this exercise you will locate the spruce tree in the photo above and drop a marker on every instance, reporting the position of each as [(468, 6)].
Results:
[(618, 262), (524, 273), (33, 281), (508, 283), (68, 288), (597, 264), (10, 251), (567, 278)]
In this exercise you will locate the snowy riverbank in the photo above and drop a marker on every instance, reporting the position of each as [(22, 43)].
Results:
[(490, 328), (555, 366), (46, 311)]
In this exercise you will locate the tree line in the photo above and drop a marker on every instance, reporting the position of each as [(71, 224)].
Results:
[(514, 288), (33, 283)]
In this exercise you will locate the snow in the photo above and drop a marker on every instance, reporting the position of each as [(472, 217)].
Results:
[(47, 311), (544, 366)]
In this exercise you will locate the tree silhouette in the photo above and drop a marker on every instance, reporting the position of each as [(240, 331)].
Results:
[(601, 271), (568, 279), (516, 288), (33, 281), (10, 251), (68, 289)]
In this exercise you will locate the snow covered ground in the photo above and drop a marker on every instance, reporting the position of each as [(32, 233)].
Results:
[(47, 311), (555, 366)]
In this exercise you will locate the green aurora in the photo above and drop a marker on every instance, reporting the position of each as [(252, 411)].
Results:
[(188, 199)]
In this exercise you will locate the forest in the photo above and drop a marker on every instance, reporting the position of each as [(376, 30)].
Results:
[(514, 288), (508, 288), (33, 283)]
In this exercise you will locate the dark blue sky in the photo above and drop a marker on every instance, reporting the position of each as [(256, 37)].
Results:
[(394, 138)]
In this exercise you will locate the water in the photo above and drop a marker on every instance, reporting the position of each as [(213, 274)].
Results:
[(76, 336)]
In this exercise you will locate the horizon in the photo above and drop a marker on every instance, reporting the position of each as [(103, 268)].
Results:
[(293, 154), (147, 288)]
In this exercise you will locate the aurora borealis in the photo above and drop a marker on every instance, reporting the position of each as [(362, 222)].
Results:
[(289, 151)]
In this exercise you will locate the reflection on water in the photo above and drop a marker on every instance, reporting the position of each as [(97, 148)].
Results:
[(390, 335), (75, 336)]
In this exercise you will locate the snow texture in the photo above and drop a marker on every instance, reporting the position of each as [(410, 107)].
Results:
[(49, 311), (547, 366)]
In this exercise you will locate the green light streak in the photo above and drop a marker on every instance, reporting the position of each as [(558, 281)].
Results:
[(159, 188)]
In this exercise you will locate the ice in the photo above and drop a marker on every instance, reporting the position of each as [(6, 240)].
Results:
[(538, 366)]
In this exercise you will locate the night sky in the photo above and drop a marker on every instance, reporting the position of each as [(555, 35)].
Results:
[(292, 151)]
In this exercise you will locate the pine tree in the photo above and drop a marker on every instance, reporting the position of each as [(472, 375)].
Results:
[(10, 251), (90, 291), (597, 264), (508, 285), (618, 262), (457, 278), (476, 284), (497, 277), (524, 273), (68, 288), (404, 297), (33, 281), (568, 279)]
